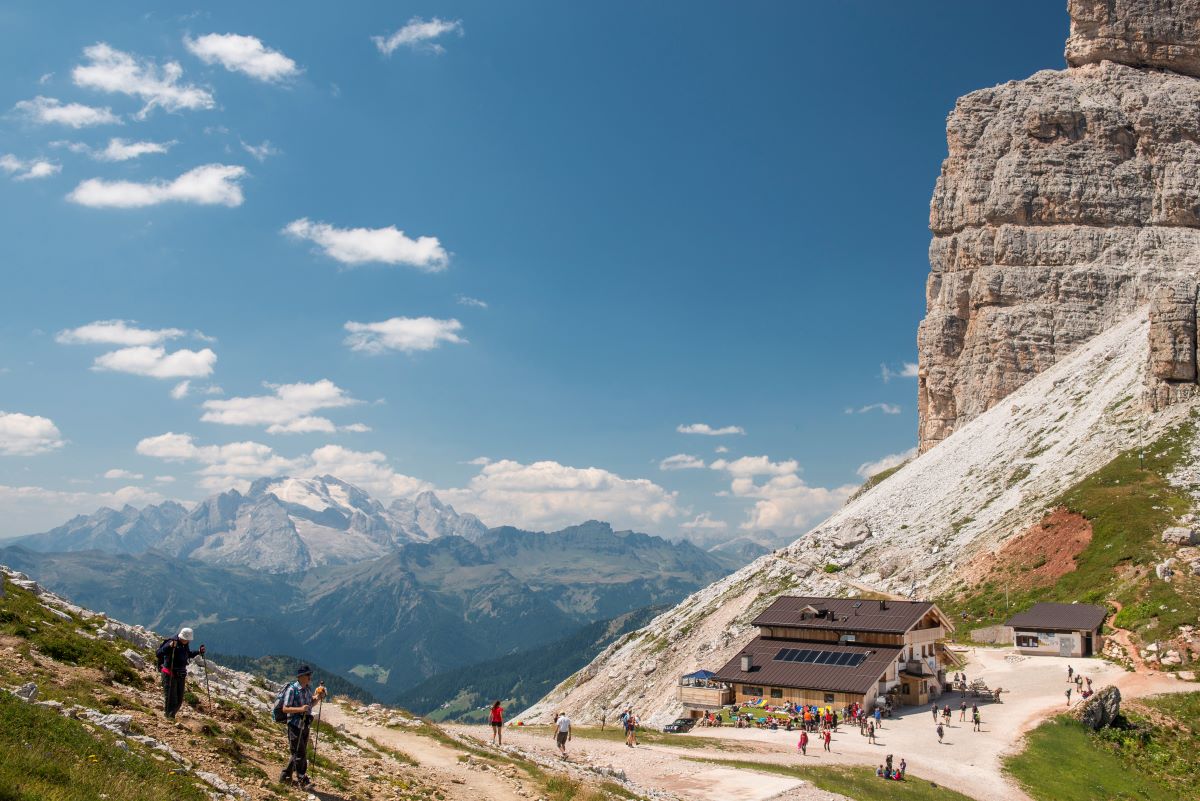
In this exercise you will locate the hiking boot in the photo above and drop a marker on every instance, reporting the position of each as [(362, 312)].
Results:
[(285, 777), (303, 782)]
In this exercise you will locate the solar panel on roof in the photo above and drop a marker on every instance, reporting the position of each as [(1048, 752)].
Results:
[(810, 656)]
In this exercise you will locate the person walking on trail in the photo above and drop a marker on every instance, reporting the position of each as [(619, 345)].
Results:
[(878, 718), (941, 731), (562, 733), (1070, 672), (803, 744), (975, 720), (935, 712), (298, 701), (497, 720), (1068, 696), (827, 739), (962, 711), (871, 733), (630, 723), (173, 656), (903, 768)]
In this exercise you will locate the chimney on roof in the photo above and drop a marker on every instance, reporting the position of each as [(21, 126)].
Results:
[(747, 662), (882, 604)]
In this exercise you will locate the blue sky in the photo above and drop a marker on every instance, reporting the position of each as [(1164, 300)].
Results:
[(523, 244)]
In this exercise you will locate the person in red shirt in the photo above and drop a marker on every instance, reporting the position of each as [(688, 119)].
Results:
[(827, 739), (803, 744), (497, 724)]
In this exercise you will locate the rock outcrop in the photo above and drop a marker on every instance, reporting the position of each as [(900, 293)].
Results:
[(1101, 710), (1067, 200)]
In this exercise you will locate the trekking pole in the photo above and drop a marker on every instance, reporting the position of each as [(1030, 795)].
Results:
[(317, 736), (207, 688)]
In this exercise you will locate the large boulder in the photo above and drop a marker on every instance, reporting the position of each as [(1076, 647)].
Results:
[(1179, 535), (1101, 710), (849, 534)]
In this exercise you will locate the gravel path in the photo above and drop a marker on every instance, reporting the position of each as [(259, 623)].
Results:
[(965, 760)]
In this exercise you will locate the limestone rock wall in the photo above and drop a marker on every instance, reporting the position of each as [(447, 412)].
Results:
[(1066, 201), (1151, 33)]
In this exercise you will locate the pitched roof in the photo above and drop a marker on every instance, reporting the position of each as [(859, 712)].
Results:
[(1073, 617), (844, 614), (768, 671)]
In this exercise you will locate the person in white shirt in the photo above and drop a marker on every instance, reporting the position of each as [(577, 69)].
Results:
[(562, 732)]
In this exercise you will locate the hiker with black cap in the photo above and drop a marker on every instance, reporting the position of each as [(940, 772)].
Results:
[(298, 702), (173, 657)]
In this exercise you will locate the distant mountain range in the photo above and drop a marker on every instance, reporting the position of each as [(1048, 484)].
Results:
[(281, 525), (391, 595)]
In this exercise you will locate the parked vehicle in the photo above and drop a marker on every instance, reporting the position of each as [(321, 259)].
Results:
[(680, 725)]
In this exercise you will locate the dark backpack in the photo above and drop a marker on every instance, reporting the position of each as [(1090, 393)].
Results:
[(277, 713)]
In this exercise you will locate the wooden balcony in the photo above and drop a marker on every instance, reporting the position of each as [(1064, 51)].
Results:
[(706, 697)]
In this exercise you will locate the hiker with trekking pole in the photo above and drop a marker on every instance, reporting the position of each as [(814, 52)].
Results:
[(173, 656), (294, 705)]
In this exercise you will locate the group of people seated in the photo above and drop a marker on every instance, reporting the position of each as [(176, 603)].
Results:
[(886, 771)]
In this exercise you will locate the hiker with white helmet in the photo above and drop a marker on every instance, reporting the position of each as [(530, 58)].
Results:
[(173, 657)]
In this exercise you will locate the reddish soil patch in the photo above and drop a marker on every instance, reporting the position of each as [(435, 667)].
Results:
[(1049, 548)]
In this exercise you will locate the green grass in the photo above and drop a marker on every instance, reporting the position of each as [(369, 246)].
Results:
[(46, 757), (1063, 762), (22, 615), (859, 783), (1129, 502), (1159, 739)]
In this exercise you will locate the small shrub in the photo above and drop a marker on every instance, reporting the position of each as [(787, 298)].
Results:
[(830, 567)]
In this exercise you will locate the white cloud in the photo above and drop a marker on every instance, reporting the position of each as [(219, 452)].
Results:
[(111, 70), (681, 461), (119, 473), (223, 466), (124, 150), (364, 245), (868, 469), (551, 495), (28, 170), (180, 390), (288, 410), (165, 479), (116, 332), (907, 370), (721, 449), (45, 79), (156, 362), (479, 461), (52, 111), (749, 466), (239, 463), (708, 431), (418, 34), (886, 408), (704, 522), (407, 334), (207, 185), (261, 152), (784, 501), (463, 300), (28, 509), (26, 434), (368, 470), (244, 54)]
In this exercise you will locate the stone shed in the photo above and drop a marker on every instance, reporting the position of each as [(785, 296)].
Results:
[(1058, 629)]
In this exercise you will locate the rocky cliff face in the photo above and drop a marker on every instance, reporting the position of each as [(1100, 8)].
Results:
[(1066, 201)]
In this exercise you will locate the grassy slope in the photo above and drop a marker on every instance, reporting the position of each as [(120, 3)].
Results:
[(1150, 755), (47, 757), (1129, 502), (854, 782)]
